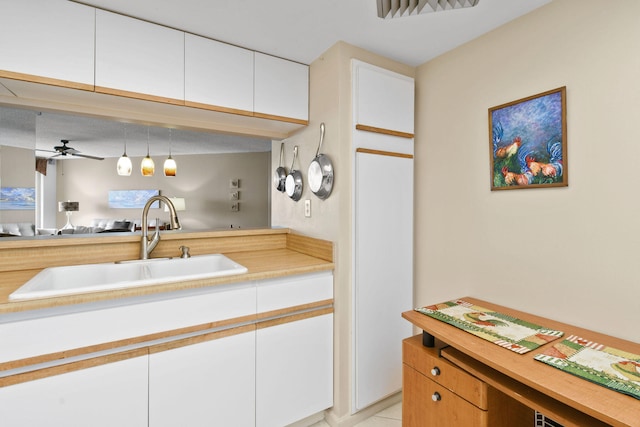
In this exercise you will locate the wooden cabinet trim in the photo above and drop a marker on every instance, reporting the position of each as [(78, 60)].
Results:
[(46, 80), (218, 108), (293, 310), (72, 366), (294, 317), (281, 118), (384, 153), (200, 338), (137, 95), (391, 132)]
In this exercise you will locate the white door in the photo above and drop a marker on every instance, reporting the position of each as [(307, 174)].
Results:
[(294, 370), (211, 383), (383, 272)]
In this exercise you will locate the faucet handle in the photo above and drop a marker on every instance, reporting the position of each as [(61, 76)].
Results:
[(185, 252)]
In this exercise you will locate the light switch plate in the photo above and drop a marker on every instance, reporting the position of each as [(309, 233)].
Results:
[(307, 208)]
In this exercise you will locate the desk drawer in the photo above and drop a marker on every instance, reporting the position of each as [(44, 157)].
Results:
[(431, 404), (427, 361)]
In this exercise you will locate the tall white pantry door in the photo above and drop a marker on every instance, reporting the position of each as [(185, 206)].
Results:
[(383, 282)]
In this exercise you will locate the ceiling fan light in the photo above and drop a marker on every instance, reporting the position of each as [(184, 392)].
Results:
[(147, 167), (170, 166)]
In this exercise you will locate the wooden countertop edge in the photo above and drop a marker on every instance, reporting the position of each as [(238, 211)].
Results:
[(609, 405), (97, 238)]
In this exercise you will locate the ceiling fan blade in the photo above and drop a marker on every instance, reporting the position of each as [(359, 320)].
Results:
[(77, 154)]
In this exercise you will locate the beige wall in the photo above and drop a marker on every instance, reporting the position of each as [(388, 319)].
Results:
[(571, 254), (202, 180), (17, 169)]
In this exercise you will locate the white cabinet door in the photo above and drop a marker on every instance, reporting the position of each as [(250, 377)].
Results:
[(207, 384), (139, 57), (281, 88), (383, 272), (294, 370), (48, 38), (108, 395), (218, 74), (383, 99)]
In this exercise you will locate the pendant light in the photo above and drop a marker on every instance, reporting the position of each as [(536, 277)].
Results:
[(147, 167), (124, 165), (170, 166)]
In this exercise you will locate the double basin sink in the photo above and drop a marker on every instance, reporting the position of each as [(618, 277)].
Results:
[(59, 281)]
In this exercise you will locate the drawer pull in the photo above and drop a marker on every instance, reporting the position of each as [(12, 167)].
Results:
[(436, 397), (435, 371)]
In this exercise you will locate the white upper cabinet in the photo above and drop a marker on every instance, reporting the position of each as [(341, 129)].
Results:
[(146, 60), (48, 38), (383, 99), (218, 75), (281, 88)]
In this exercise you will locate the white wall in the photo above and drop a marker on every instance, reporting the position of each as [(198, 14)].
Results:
[(202, 180), (571, 254)]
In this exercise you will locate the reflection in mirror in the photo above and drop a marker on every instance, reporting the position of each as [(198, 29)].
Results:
[(223, 179)]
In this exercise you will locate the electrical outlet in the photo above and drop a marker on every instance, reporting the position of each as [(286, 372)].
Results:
[(307, 208), (234, 195), (235, 207)]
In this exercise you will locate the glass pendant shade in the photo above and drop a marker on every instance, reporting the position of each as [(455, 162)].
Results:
[(170, 166), (147, 167), (124, 165)]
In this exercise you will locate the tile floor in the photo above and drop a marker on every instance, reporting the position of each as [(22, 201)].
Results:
[(390, 417)]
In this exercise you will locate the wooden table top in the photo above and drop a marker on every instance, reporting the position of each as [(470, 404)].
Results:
[(609, 406)]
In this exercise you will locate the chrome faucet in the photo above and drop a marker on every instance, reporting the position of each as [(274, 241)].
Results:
[(148, 245)]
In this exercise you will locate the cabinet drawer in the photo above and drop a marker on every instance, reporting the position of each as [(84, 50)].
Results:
[(293, 291), (428, 362), (431, 404)]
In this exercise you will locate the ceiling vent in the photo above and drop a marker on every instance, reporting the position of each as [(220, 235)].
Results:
[(388, 9)]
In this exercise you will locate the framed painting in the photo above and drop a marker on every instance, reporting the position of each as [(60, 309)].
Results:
[(528, 142), (132, 199)]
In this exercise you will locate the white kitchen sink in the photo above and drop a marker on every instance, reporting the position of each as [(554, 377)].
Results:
[(76, 279)]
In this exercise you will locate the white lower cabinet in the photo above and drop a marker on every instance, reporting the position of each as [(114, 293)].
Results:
[(206, 384), (294, 370), (108, 395), (270, 373)]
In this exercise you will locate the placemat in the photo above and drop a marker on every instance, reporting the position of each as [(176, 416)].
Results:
[(506, 331), (606, 366)]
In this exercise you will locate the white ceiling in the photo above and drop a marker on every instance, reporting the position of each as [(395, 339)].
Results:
[(301, 30)]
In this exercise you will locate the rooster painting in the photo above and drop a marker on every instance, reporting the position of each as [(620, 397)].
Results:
[(528, 142)]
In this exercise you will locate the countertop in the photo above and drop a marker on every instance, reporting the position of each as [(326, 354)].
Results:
[(267, 253)]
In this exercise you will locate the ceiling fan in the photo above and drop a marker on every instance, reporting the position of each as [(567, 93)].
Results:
[(65, 150)]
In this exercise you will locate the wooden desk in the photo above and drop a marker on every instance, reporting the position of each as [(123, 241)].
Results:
[(565, 398)]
